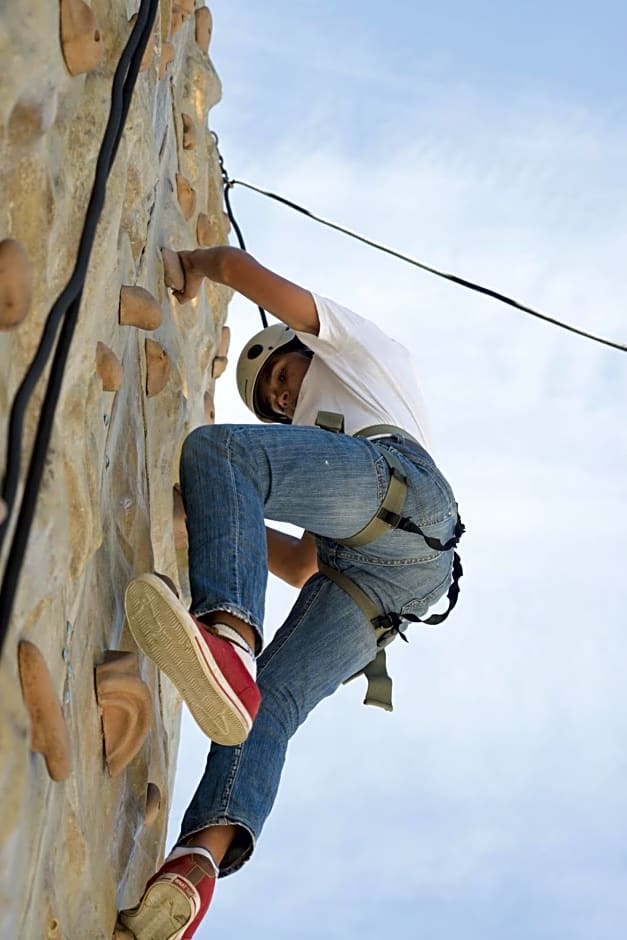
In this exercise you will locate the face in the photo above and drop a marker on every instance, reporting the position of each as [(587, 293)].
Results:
[(281, 380)]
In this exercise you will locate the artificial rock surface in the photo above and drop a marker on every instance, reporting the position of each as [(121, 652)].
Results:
[(105, 509)]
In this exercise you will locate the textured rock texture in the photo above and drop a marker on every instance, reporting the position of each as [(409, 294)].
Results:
[(72, 850)]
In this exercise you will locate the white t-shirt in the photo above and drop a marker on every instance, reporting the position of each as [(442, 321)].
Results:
[(361, 373)]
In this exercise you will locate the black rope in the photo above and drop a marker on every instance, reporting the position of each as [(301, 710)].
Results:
[(229, 211), (65, 308), (425, 267)]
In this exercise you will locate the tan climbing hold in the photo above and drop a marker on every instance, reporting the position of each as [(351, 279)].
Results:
[(153, 803), (186, 196), (204, 26), (157, 368), (204, 230), (149, 51), (218, 366), (126, 708), (167, 55), (81, 39), (16, 283), (109, 368), (189, 132), (220, 360), (139, 308), (173, 274), (49, 735)]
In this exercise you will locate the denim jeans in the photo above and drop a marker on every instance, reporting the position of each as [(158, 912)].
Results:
[(233, 477)]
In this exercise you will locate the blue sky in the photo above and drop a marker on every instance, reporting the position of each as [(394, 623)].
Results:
[(487, 139)]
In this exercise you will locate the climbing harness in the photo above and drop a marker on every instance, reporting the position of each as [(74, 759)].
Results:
[(388, 516), (229, 183), (65, 309)]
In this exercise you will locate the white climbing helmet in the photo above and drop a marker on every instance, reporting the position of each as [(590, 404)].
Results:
[(253, 358)]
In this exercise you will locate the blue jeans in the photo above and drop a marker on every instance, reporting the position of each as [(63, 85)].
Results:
[(233, 477)]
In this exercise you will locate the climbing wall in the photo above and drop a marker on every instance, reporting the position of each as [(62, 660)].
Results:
[(88, 730)]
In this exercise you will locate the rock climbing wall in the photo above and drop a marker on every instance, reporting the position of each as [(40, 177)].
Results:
[(88, 730)]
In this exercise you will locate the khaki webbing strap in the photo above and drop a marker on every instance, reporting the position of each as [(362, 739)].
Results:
[(379, 691), (382, 430), (393, 502)]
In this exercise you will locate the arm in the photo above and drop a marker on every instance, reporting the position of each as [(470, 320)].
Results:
[(237, 269), (291, 559)]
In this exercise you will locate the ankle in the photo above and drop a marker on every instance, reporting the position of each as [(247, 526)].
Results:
[(244, 630)]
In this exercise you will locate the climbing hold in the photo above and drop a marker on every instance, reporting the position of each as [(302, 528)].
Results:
[(157, 368), (126, 708), (218, 366), (167, 55), (149, 51), (186, 196), (16, 283), (34, 114), (189, 132), (204, 26), (153, 803), (210, 414), (108, 368), (49, 735), (173, 274), (139, 308), (204, 230), (81, 39), (220, 360), (180, 15)]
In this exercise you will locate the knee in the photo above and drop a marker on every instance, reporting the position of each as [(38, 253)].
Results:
[(199, 443)]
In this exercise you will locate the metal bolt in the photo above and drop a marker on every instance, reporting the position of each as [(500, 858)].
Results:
[(107, 462), (68, 629), (106, 420), (66, 654)]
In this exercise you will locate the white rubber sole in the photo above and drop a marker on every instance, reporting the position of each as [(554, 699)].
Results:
[(165, 631), (164, 913)]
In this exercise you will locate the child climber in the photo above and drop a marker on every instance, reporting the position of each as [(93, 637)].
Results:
[(380, 526)]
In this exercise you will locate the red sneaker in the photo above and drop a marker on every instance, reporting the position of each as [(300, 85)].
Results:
[(175, 899), (215, 678)]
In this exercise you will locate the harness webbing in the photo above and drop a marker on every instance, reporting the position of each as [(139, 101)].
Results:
[(387, 625)]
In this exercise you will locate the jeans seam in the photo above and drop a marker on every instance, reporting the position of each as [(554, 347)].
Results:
[(276, 646)]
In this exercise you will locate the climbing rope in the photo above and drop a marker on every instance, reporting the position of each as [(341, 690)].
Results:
[(229, 183), (229, 211), (66, 309)]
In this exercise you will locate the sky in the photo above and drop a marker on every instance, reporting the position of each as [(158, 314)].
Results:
[(489, 140)]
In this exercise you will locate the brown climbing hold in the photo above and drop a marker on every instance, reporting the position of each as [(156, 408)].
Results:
[(173, 274), (189, 132), (220, 360), (204, 230), (49, 735), (180, 15), (204, 26), (167, 55), (218, 366), (139, 308), (153, 803), (16, 283), (126, 707), (157, 368), (81, 39), (108, 368), (186, 196), (149, 51), (225, 341)]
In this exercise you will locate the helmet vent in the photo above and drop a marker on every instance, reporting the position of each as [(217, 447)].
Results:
[(255, 351)]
